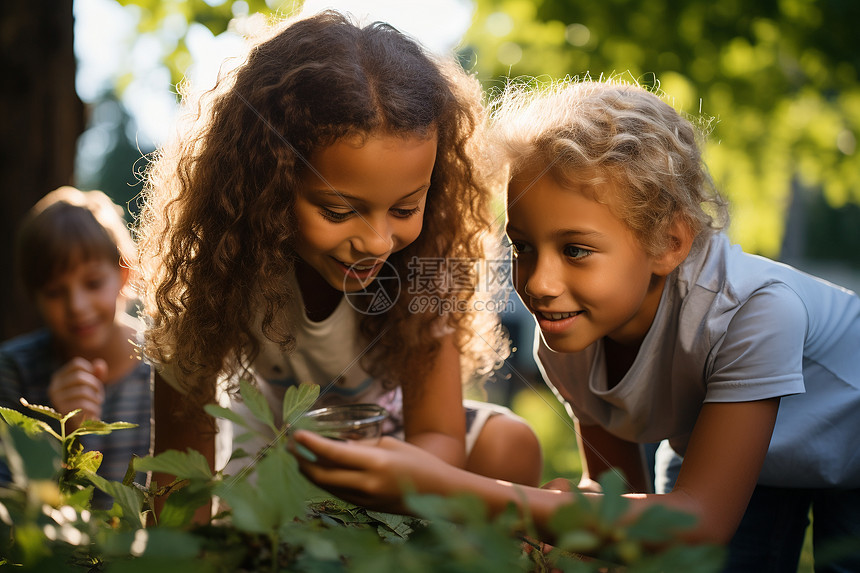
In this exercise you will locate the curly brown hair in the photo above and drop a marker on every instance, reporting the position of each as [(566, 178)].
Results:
[(591, 130), (217, 231)]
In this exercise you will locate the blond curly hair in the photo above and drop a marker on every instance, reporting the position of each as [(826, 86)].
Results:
[(586, 131)]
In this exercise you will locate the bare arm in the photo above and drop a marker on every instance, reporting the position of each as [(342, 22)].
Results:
[(433, 413), (720, 470)]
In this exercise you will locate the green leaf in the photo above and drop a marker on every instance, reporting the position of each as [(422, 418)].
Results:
[(578, 541), (129, 471), (170, 543), (399, 525), (44, 410), (38, 455), (250, 511), (30, 425), (321, 548), (81, 498), (279, 481), (69, 416), (612, 505), (155, 549), (257, 403), (569, 517), (86, 461), (184, 465), (298, 400), (221, 412), (98, 427), (129, 499), (181, 504)]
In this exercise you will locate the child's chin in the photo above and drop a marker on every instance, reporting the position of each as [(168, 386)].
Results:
[(560, 343)]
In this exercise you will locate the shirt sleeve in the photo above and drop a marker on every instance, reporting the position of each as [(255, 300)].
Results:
[(761, 353)]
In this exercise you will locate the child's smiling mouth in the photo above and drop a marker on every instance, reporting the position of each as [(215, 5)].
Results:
[(557, 315), (360, 271), (555, 322)]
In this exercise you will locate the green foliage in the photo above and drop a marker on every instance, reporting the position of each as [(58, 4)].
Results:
[(275, 520), (169, 21), (775, 84), (554, 429), (779, 77)]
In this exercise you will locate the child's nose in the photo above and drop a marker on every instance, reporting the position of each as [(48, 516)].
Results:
[(374, 239), (542, 280), (76, 300)]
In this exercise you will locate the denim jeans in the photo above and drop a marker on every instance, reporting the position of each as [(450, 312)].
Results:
[(770, 536)]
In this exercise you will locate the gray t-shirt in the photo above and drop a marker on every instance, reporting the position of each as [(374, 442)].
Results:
[(734, 327)]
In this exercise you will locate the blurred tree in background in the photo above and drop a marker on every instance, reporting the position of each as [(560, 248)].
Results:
[(41, 120), (779, 77)]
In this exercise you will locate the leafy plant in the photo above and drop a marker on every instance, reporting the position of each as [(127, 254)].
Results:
[(275, 520)]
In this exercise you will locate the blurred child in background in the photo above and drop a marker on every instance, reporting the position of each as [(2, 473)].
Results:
[(73, 254)]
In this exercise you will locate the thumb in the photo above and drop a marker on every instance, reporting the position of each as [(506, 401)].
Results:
[(100, 369)]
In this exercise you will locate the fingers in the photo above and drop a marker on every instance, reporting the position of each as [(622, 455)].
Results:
[(333, 452), (76, 385), (100, 369)]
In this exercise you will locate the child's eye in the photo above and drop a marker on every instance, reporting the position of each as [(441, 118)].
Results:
[(335, 216), (518, 248), (574, 252), (406, 213)]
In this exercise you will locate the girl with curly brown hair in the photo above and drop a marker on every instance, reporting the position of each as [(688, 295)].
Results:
[(319, 190)]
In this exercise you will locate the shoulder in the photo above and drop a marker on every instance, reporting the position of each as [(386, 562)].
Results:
[(26, 365), (27, 343), (27, 351), (721, 285)]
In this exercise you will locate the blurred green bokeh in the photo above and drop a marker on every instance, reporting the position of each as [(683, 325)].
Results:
[(775, 82), (778, 78)]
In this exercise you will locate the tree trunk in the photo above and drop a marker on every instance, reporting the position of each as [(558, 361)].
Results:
[(41, 118)]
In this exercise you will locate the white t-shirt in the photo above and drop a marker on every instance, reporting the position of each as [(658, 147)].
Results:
[(734, 327), (327, 353)]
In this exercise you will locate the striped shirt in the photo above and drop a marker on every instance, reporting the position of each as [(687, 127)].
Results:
[(26, 366)]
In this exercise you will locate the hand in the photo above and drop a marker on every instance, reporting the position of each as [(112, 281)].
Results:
[(372, 476), (79, 384)]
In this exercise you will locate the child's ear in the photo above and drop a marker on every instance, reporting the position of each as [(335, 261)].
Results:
[(680, 242)]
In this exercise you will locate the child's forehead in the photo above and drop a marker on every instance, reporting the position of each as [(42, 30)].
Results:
[(597, 184), (81, 259)]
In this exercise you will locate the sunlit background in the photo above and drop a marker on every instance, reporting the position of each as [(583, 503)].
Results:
[(775, 85)]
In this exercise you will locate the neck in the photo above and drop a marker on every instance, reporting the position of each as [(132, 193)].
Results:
[(619, 358), (320, 298)]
